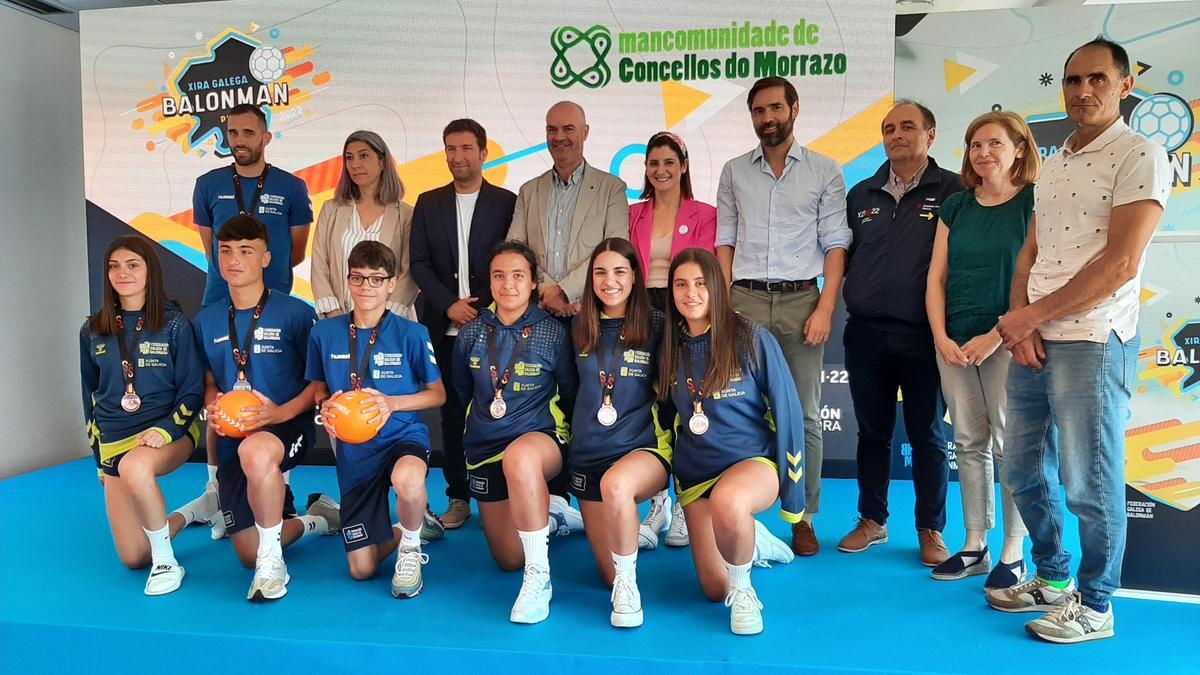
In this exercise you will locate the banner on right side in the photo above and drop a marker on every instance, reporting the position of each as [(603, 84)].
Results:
[(1013, 60)]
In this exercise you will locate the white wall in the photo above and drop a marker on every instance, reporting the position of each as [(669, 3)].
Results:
[(43, 257)]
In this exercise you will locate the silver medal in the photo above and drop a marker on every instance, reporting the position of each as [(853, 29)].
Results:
[(607, 415), (241, 385), (698, 424), (498, 408), (131, 402)]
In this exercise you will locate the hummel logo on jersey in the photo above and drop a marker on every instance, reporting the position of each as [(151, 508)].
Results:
[(354, 533)]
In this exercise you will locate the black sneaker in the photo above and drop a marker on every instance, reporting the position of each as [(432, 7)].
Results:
[(1005, 575), (963, 564)]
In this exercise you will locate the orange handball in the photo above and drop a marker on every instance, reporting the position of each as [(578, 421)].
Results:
[(229, 412), (350, 423)]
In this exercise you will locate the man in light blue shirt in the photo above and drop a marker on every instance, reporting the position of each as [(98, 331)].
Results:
[(781, 223)]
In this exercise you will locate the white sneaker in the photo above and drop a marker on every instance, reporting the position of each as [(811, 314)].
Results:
[(217, 520), (657, 521), (1073, 622), (564, 518), (533, 602), (626, 602), (769, 549), (678, 534), (745, 615), (406, 581), (165, 578), (270, 580)]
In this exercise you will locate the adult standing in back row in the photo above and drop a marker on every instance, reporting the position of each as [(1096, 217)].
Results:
[(889, 345), (781, 223)]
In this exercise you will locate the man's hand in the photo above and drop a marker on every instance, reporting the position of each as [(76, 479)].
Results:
[(461, 312), (816, 329), (1016, 326), (265, 415), (554, 300), (1030, 352)]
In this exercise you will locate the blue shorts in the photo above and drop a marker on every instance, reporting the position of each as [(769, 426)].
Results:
[(297, 437), (366, 514)]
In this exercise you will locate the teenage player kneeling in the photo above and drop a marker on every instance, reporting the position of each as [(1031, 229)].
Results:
[(391, 359), (258, 342)]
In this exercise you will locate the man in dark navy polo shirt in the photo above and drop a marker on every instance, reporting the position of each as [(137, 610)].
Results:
[(889, 346)]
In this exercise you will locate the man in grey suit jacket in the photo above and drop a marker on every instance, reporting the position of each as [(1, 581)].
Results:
[(564, 213)]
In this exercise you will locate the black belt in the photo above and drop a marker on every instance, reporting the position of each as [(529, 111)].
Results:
[(776, 286)]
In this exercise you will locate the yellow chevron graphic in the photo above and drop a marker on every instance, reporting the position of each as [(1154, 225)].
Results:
[(183, 410), (795, 474), (794, 460)]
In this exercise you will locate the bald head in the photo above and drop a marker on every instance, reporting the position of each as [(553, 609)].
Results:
[(566, 130)]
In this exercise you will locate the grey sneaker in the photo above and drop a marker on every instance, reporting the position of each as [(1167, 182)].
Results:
[(1073, 622), (657, 521), (432, 527), (320, 504), (678, 534), (406, 581), (1033, 595)]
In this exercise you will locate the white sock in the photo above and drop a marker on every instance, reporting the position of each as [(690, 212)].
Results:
[(199, 509), (537, 547), (626, 565), (161, 551), (269, 541), (739, 575), (409, 538), (313, 525), (212, 473), (287, 477)]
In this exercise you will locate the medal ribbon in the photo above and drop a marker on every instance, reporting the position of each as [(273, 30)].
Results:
[(241, 357), (500, 382), (359, 369)]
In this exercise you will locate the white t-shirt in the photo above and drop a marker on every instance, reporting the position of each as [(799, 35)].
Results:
[(464, 205), (1073, 204)]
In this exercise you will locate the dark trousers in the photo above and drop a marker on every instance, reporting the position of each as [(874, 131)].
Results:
[(454, 461), (880, 361)]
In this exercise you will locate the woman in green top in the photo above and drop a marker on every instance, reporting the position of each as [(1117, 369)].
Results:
[(980, 232)]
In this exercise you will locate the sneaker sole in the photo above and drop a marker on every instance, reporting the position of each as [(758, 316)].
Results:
[(260, 597), (153, 594), (404, 594), (871, 543), (747, 630), (678, 543), (1095, 635), (1023, 608), (646, 543), (455, 526), (626, 619)]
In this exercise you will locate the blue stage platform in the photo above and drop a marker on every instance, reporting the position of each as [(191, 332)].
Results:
[(67, 605)]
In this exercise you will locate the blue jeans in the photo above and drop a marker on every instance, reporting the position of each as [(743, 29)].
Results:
[(1066, 422)]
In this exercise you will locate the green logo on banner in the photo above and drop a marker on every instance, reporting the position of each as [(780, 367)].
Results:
[(597, 40)]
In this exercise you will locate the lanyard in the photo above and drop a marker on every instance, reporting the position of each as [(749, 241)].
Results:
[(499, 382), (359, 369), (241, 357), (128, 363), (696, 392), (608, 376), (237, 189)]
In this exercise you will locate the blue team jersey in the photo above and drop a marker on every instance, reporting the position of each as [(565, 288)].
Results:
[(169, 379), (278, 349), (543, 381), (402, 363), (634, 397), (282, 205), (757, 415)]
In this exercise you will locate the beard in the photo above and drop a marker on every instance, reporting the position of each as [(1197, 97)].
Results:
[(783, 131), (250, 159)]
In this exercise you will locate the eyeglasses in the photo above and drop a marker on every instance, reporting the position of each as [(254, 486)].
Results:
[(357, 280)]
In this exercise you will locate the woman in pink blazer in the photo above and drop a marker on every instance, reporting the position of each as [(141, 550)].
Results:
[(669, 220)]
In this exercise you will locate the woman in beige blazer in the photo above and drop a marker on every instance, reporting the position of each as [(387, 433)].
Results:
[(365, 206)]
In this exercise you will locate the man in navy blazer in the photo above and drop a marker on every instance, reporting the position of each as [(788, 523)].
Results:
[(454, 228)]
